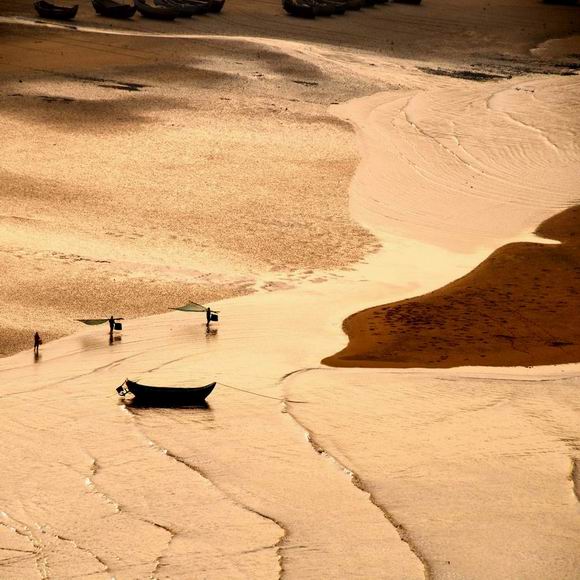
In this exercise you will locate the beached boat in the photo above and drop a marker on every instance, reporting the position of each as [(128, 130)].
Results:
[(166, 396), (156, 12), (186, 8), (323, 8), (354, 4), (415, 2), (48, 10), (114, 9), (300, 8), (338, 6), (216, 6)]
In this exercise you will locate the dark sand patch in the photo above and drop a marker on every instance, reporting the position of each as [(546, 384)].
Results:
[(520, 307), (72, 114)]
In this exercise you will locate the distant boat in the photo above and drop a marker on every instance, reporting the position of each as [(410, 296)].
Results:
[(48, 10), (323, 8), (166, 396), (186, 8), (113, 9), (300, 8), (156, 12), (338, 6), (216, 6), (354, 4)]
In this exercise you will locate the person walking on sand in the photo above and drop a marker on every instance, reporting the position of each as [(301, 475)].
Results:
[(37, 342), (111, 324), (208, 316)]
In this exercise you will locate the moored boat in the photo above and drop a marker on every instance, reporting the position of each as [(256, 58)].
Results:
[(323, 8), (300, 8), (216, 6), (166, 396), (186, 8), (156, 12), (339, 6), (354, 4), (54, 12), (113, 9)]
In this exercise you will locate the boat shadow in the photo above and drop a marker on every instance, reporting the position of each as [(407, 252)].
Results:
[(136, 404)]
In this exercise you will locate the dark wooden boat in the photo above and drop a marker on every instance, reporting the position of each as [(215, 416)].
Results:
[(203, 6), (415, 2), (113, 9), (48, 10), (354, 4), (216, 6), (339, 6), (300, 8), (156, 12), (186, 8), (166, 396), (323, 8)]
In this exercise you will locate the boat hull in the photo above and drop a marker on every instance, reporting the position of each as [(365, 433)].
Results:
[(216, 6), (114, 9), (156, 12), (52, 12), (185, 9), (300, 8), (169, 396)]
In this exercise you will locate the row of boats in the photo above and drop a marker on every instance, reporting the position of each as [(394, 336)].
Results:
[(314, 8), (157, 9)]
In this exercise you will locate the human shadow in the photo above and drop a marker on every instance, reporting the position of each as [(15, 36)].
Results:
[(210, 333)]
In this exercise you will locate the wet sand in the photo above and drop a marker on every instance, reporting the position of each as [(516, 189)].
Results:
[(96, 122), (161, 179), (520, 307), (295, 469)]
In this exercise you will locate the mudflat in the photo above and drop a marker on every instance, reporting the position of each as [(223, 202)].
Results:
[(520, 307)]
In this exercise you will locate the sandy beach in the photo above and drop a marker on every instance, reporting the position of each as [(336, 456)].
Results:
[(292, 173)]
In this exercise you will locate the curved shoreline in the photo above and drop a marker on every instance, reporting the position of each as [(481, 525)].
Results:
[(520, 307)]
